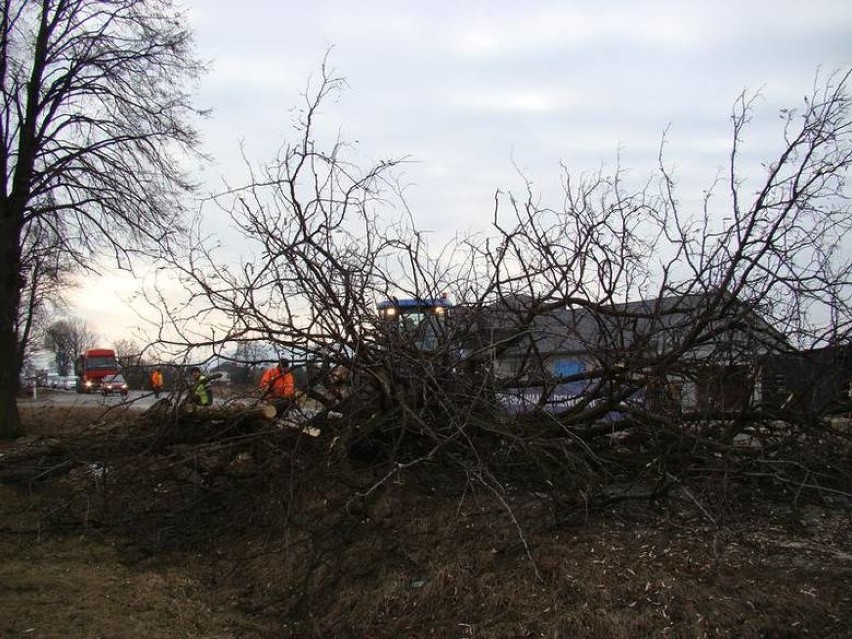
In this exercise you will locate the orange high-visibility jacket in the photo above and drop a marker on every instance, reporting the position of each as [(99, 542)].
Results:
[(157, 379), (277, 383)]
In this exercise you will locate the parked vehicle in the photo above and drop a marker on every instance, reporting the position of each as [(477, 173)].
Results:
[(93, 366), (114, 384), (68, 383)]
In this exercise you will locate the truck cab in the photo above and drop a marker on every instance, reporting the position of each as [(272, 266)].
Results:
[(92, 366), (422, 321)]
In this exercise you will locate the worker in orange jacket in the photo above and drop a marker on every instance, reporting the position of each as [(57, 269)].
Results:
[(278, 386), (157, 382)]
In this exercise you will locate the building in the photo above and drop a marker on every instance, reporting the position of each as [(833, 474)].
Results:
[(694, 353)]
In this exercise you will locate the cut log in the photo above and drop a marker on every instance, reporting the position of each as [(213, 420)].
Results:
[(267, 410), (231, 410)]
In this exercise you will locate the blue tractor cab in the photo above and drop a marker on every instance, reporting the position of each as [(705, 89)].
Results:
[(421, 320)]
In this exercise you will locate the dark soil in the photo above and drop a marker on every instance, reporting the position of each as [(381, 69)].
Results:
[(114, 527)]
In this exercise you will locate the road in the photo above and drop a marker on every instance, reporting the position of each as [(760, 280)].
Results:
[(135, 400)]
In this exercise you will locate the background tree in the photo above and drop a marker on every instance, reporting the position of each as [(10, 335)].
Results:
[(133, 363), (66, 339), (248, 361), (45, 276), (93, 114), (128, 352)]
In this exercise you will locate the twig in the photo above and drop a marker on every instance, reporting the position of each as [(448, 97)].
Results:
[(693, 498)]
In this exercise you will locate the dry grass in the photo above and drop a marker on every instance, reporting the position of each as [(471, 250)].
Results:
[(273, 544)]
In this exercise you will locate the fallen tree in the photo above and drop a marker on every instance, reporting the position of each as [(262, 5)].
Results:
[(673, 315)]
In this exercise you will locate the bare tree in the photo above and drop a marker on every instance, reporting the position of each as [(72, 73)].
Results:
[(615, 313), (128, 353), (45, 276), (67, 338), (248, 359), (94, 115)]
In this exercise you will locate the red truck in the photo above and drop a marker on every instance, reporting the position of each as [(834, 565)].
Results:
[(92, 366)]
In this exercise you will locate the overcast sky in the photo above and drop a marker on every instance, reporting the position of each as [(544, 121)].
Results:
[(469, 90)]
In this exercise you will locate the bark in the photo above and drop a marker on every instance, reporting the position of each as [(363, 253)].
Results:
[(10, 420)]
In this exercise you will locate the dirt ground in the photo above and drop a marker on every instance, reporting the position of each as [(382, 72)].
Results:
[(108, 532)]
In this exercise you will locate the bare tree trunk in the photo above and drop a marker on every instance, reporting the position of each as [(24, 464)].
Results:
[(10, 419)]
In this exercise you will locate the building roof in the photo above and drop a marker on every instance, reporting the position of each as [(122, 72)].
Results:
[(697, 324)]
